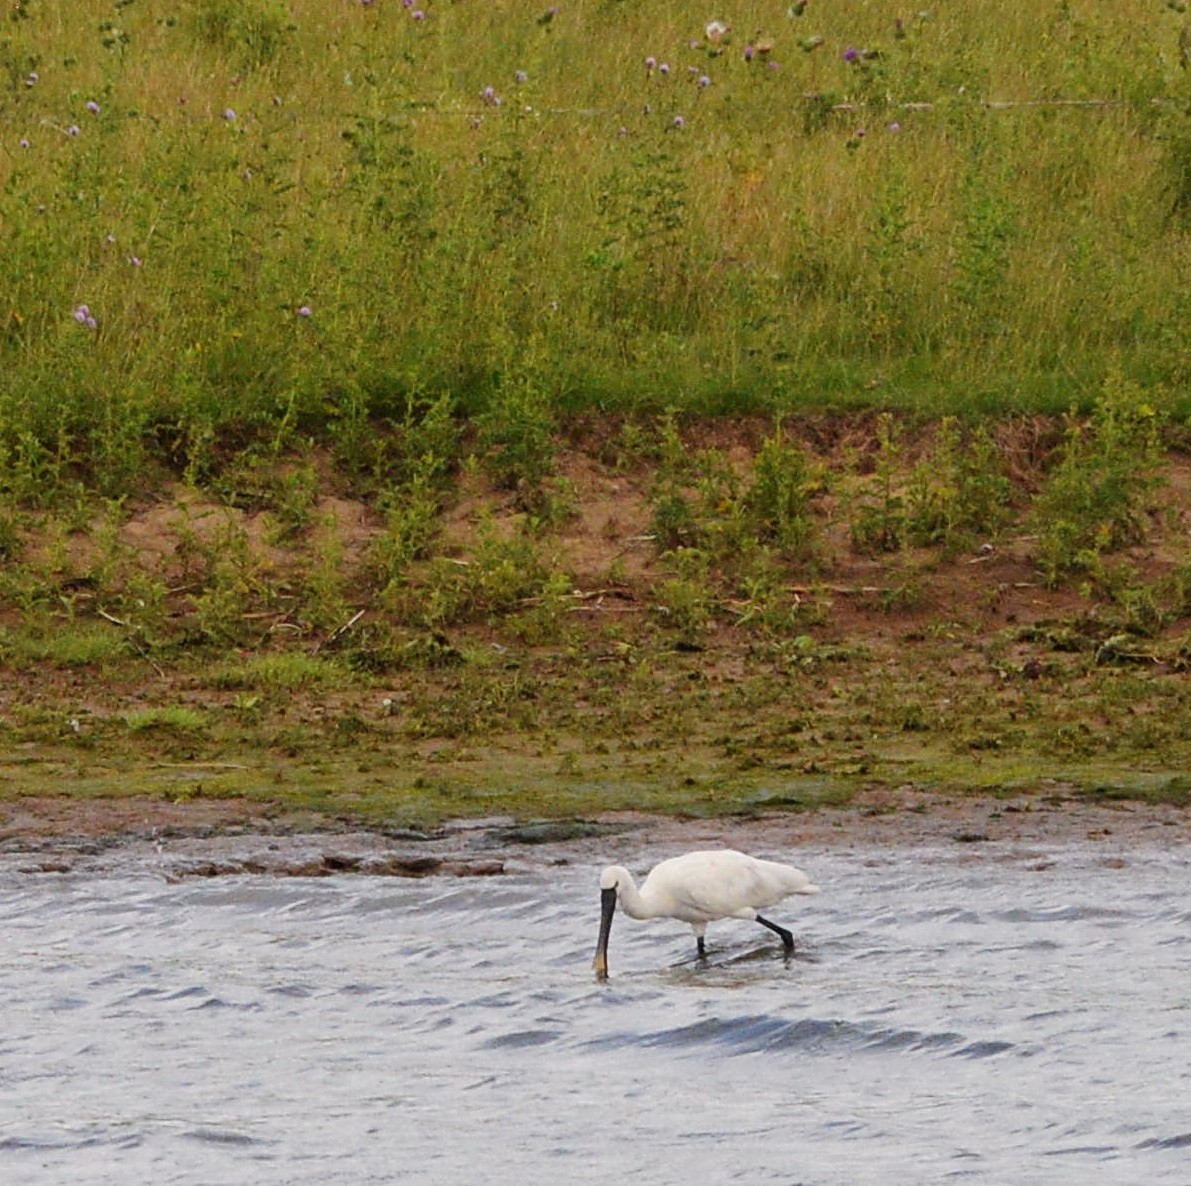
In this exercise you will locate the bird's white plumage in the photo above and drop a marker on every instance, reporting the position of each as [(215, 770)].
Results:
[(699, 888)]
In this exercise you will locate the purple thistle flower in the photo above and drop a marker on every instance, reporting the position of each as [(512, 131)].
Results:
[(522, 77), (91, 323), (748, 53), (704, 81), (679, 122), (229, 114), (651, 63), (73, 130), (489, 95), (895, 127), (664, 68), (851, 54), (24, 143), (305, 311), (92, 107), (81, 314), (135, 260), (417, 15)]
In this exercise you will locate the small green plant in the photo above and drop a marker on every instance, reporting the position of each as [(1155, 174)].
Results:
[(175, 718), (674, 523), (959, 491), (685, 600), (777, 501), (325, 582), (282, 671), (515, 443), (1095, 498), (499, 578), (763, 602), (696, 498), (143, 604), (10, 535), (65, 645), (543, 622), (411, 524), (879, 523), (230, 586)]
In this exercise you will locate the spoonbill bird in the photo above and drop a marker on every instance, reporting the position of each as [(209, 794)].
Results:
[(699, 888)]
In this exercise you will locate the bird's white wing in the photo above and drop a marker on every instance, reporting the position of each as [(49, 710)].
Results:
[(721, 885)]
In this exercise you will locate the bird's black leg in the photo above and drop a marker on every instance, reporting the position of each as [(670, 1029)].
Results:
[(787, 938), (700, 947)]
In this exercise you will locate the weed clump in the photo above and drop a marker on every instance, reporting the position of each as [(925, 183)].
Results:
[(1095, 499)]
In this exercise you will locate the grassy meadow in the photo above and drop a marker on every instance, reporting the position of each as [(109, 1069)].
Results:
[(232, 220), (413, 380)]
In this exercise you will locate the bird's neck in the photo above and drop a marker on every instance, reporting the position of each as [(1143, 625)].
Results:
[(632, 901)]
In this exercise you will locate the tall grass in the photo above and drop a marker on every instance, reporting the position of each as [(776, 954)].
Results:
[(237, 223)]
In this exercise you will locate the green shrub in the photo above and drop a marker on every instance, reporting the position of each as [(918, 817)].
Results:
[(1095, 498), (515, 441), (959, 492), (684, 601), (776, 503)]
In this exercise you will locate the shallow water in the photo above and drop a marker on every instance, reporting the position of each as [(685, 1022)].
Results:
[(950, 1016)]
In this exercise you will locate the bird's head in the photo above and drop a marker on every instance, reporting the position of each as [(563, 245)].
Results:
[(610, 881), (610, 878)]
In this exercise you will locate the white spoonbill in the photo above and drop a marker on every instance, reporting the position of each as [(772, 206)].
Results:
[(699, 888)]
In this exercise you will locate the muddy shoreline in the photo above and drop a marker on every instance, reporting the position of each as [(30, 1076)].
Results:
[(47, 835)]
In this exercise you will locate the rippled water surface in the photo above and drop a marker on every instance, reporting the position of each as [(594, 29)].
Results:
[(950, 1016)]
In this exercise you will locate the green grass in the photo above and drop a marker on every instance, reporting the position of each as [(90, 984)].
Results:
[(282, 672), (176, 719), (289, 219), (67, 645)]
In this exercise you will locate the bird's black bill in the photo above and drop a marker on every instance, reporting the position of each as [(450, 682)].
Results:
[(607, 909)]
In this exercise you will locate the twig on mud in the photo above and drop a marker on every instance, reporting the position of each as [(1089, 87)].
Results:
[(200, 766), (623, 594), (596, 595), (842, 590), (634, 540), (132, 640), (340, 631)]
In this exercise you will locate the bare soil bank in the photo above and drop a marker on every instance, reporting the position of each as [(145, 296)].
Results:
[(868, 691)]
